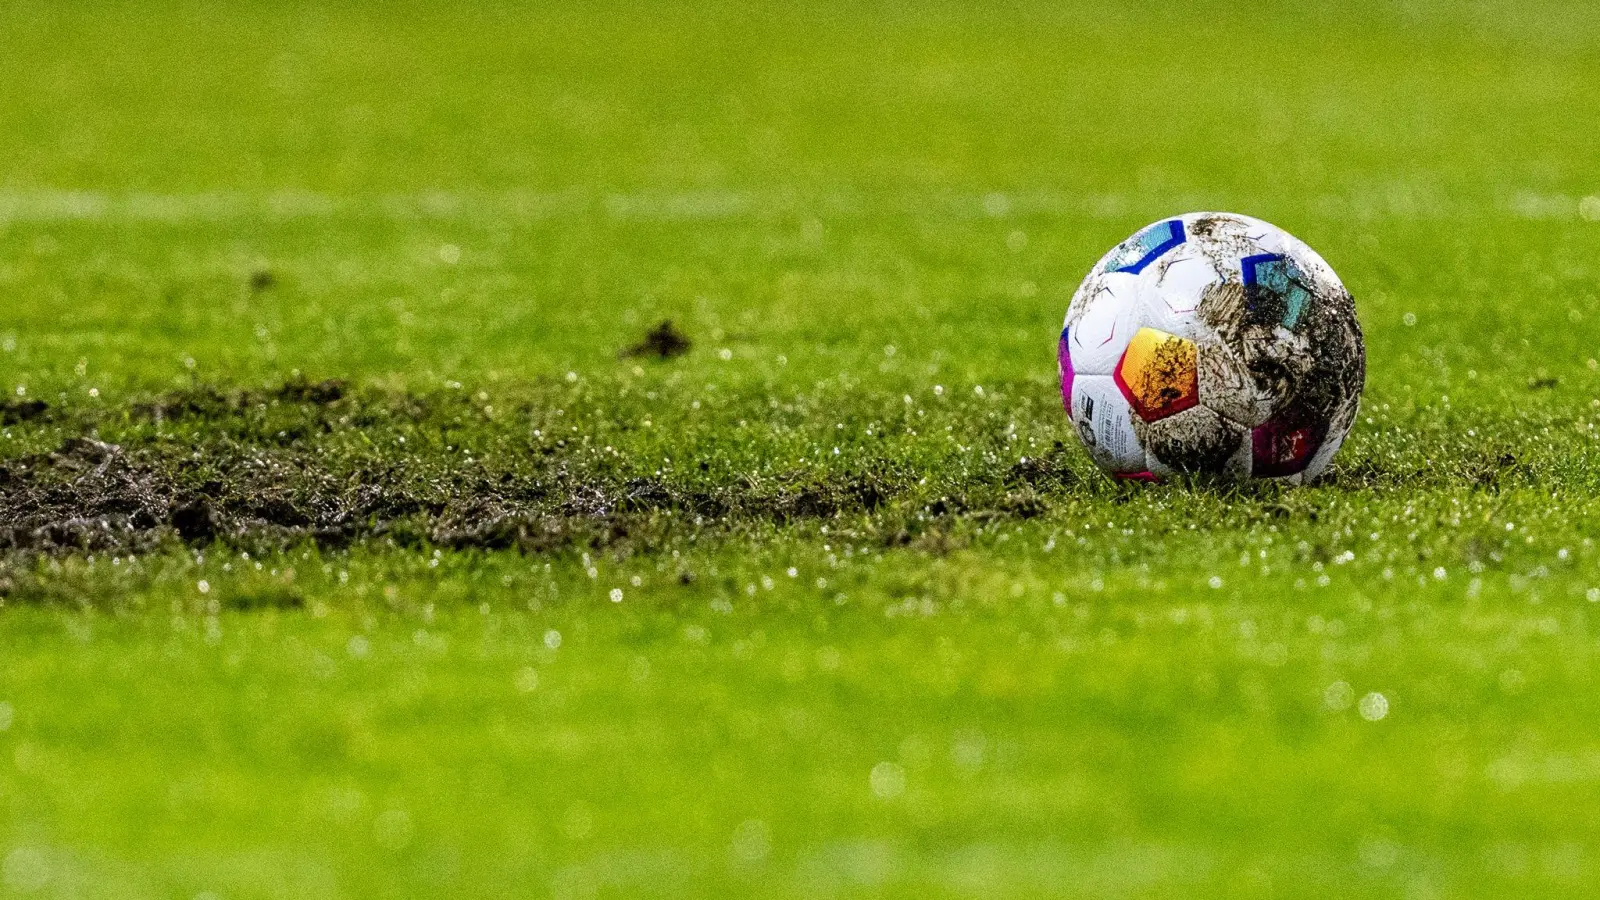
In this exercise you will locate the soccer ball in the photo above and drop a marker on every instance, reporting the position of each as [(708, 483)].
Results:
[(1212, 343)]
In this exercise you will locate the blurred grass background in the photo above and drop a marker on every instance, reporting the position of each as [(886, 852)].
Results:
[(805, 177)]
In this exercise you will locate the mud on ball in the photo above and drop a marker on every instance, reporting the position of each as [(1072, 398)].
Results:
[(1212, 343)]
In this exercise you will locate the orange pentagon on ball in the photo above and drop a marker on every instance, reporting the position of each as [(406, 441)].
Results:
[(1159, 373)]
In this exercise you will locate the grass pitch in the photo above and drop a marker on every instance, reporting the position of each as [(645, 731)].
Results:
[(348, 551)]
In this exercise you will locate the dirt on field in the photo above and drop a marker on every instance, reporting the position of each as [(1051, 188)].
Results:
[(320, 462), (257, 481), (661, 342)]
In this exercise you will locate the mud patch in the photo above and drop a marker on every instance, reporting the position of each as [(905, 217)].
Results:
[(89, 496), (315, 461), (557, 467)]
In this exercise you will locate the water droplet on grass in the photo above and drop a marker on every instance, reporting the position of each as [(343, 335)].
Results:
[(1337, 696), (1374, 707)]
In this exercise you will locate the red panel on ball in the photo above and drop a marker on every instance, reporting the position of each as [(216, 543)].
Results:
[(1278, 449)]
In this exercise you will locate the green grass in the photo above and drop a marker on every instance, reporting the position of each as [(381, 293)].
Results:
[(882, 630)]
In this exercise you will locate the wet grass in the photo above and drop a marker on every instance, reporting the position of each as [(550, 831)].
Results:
[(583, 452)]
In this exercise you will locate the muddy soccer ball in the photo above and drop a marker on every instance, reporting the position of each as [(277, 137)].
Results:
[(1212, 343)]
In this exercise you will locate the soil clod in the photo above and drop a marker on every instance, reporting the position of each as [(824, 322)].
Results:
[(14, 411), (193, 521), (321, 393), (664, 341)]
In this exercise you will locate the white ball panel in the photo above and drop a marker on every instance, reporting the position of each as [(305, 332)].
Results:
[(1171, 291), (1269, 238), (1098, 335), (1089, 285), (1314, 265), (1105, 424)]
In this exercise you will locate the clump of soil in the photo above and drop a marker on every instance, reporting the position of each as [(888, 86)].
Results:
[(14, 411), (664, 341), (299, 390)]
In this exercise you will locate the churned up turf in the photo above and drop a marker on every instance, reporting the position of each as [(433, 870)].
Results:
[(322, 464)]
